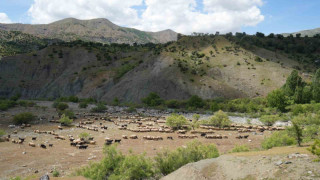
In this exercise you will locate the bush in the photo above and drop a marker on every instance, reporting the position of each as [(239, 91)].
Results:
[(219, 119), (131, 109), (278, 139), (269, 120), (153, 99), (100, 108), (65, 120), (176, 121), (114, 165), (315, 149), (195, 102), (172, 103), (116, 102), (55, 173), (134, 167), (24, 118), (26, 103), (62, 106), (6, 104), (168, 162), (67, 113), (240, 148), (83, 105), (84, 135)]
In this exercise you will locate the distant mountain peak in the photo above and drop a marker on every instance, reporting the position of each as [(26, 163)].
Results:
[(96, 30)]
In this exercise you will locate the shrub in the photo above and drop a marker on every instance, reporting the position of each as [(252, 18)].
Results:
[(134, 167), (269, 120), (315, 149), (169, 161), (219, 119), (83, 105), (65, 120), (84, 135), (278, 139), (296, 132), (176, 121), (153, 99), (116, 102), (131, 109), (6, 104), (55, 173), (258, 59), (172, 103), (100, 108), (240, 148), (62, 106), (67, 113), (26, 103), (23, 118), (73, 99), (195, 102)]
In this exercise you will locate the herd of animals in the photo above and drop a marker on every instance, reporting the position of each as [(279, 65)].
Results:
[(139, 124)]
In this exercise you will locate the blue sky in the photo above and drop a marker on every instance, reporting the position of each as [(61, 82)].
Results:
[(279, 15)]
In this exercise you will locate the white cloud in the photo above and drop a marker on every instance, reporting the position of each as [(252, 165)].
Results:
[(4, 18), (178, 15)]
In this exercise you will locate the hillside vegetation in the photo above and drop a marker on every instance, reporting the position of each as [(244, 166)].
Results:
[(207, 66)]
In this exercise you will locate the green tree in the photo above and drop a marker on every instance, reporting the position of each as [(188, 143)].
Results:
[(277, 99), (293, 82), (176, 121), (296, 132), (62, 106), (316, 86), (219, 119)]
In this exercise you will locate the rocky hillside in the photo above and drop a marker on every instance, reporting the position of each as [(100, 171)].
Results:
[(209, 67), (96, 30), (310, 32), (277, 163)]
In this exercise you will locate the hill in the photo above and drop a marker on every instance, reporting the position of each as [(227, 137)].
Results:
[(277, 163), (96, 30), (207, 66), (310, 32)]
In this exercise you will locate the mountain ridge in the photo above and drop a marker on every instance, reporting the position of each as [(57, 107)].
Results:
[(96, 30)]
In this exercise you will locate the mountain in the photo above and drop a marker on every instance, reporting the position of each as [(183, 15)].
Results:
[(96, 30), (310, 32), (210, 67)]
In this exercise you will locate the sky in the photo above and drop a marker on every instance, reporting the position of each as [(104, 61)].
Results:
[(184, 16)]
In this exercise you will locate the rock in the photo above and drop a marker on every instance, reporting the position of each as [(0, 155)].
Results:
[(36, 171), (309, 172), (278, 163), (24, 153), (24, 165), (45, 177)]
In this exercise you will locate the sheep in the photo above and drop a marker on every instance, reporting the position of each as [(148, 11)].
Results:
[(32, 144), (50, 145), (34, 138), (43, 146), (133, 137), (124, 136), (117, 140), (170, 137), (92, 142)]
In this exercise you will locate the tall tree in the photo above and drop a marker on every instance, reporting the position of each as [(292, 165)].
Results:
[(293, 82), (316, 86)]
